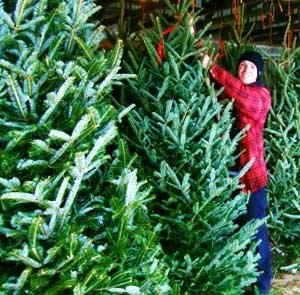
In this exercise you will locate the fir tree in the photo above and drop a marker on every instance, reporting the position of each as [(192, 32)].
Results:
[(74, 216), (182, 133), (283, 136)]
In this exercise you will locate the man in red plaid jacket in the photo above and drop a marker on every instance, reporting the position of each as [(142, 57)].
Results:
[(252, 102)]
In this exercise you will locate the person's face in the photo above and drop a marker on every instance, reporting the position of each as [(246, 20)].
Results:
[(247, 72)]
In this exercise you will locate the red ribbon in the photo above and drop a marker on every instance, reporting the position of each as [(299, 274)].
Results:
[(160, 45)]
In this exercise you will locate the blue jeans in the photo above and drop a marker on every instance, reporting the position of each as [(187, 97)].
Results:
[(256, 209)]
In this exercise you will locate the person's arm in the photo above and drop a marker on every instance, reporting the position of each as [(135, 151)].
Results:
[(252, 101)]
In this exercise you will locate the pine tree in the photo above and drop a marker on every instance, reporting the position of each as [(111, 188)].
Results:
[(282, 140), (182, 134), (281, 136), (74, 214)]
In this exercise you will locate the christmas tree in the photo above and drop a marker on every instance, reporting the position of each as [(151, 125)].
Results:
[(282, 139), (74, 216), (182, 134)]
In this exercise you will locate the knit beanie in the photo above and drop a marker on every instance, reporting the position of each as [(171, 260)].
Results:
[(254, 57)]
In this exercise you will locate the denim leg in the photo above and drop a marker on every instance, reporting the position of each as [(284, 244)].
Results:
[(256, 209)]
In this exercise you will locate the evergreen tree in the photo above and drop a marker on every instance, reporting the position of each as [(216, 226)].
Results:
[(281, 136), (74, 216), (183, 136), (282, 141)]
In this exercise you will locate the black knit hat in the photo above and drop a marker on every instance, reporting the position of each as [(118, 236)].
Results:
[(254, 57)]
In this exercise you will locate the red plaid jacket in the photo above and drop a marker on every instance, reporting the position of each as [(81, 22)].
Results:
[(253, 104)]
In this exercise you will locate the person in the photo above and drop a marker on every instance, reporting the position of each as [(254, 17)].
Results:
[(251, 102)]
